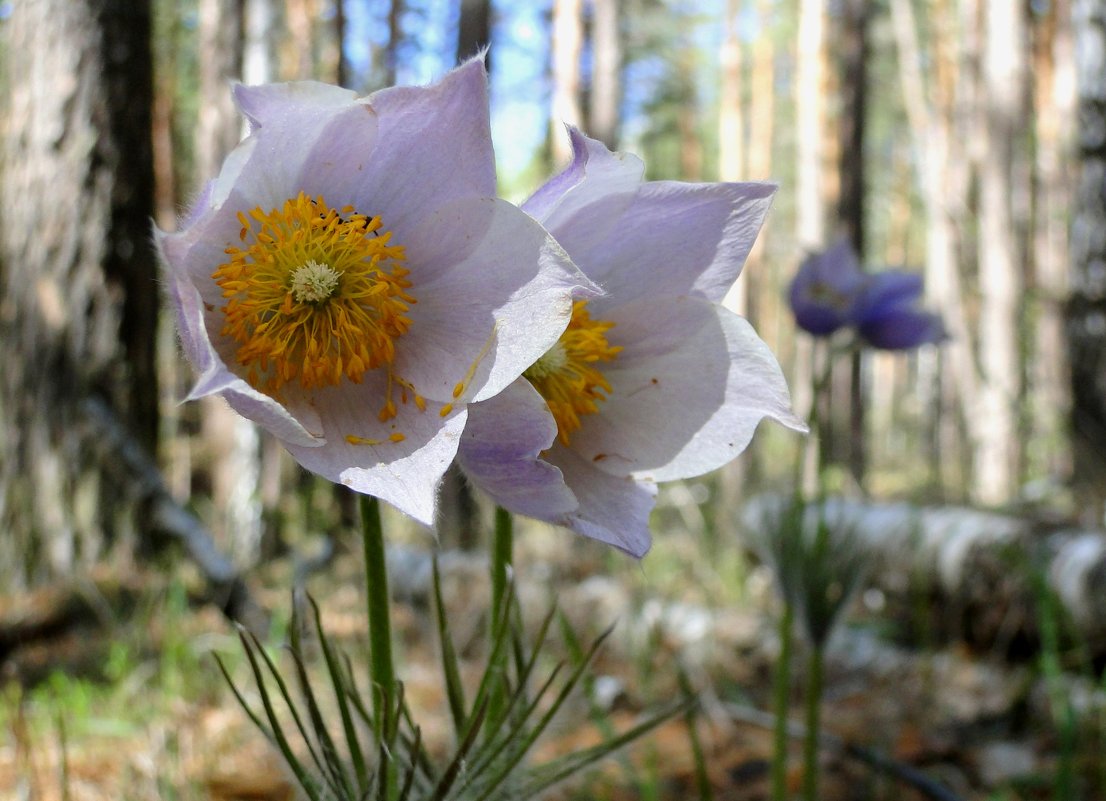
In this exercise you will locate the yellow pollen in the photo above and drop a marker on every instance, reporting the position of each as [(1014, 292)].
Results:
[(567, 375), (314, 296)]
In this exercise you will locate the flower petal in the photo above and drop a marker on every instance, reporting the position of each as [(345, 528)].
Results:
[(306, 136), (501, 453), (405, 474), (612, 509), (675, 239), (434, 147), (888, 288), (494, 293), (902, 328), (824, 292), (583, 203), (688, 390)]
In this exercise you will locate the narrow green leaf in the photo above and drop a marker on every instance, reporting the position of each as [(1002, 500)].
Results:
[(339, 682), (455, 692)]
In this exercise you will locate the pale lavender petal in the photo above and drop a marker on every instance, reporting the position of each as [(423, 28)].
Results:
[(494, 293), (274, 104), (301, 427), (582, 205), (676, 239), (310, 147), (612, 509), (434, 147), (501, 453), (405, 474), (689, 389)]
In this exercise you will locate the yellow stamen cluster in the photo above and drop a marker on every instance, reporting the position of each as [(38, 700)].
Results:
[(314, 295), (567, 375)]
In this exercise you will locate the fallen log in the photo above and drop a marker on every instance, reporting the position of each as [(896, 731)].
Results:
[(965, 573)]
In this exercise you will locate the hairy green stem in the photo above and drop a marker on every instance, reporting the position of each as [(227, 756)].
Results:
[(781, 702), (813, 722), (502, 556), (381, 665)]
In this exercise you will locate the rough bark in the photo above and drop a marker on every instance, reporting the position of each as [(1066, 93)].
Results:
[(78, 290), (1086, 310)]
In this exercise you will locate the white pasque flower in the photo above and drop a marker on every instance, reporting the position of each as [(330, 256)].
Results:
[(350, 282), (653, 381)]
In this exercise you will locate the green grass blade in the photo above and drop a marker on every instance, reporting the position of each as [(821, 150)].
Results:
[(455, 692)]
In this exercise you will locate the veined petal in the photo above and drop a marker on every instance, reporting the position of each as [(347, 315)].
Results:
[(305, 134), (501, 454), (612, 509), (587, 199), (434, 147), (690, 386), (404, 473), (676, 239), (494, 293)]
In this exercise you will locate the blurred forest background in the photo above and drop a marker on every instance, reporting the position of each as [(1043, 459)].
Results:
[(965, 139)]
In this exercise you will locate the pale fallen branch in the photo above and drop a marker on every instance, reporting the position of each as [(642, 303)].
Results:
[(980, 570)]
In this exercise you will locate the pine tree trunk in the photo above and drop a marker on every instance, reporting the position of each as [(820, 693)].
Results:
[(1001, 253), (606, 84), (1054, 116), (1086, 312), (474, 31), (78, 282), (568, 37)]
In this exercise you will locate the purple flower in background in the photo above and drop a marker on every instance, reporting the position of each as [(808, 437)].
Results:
[(831, 292), (824, 292), (653, 381), (350, 282), (886, 314)]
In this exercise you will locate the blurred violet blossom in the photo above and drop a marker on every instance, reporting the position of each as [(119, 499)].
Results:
[(831, 292), (350, 282), (653, 381)]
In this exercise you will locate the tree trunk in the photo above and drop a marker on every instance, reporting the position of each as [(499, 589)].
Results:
[(568, 37), (1054, 116), (950, 399), (606, 72), (78, 288), (847, 429), (1086, 312), (1001, 253), (474, 31)]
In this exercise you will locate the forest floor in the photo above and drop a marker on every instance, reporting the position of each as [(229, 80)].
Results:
[(128, 702)]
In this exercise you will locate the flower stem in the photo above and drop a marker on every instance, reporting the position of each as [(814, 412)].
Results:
[(382, 668), (502, 556), (813, 722), (781, 702), (502, 549)]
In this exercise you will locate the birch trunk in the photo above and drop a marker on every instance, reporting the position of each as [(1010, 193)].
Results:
[(972, 572)]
